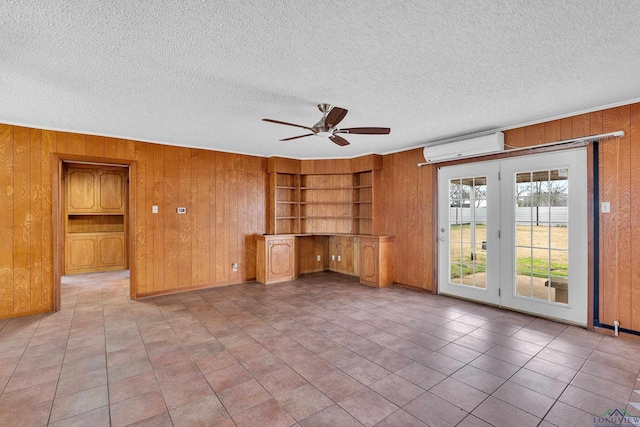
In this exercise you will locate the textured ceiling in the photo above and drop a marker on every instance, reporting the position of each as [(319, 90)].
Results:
[(203, 73)]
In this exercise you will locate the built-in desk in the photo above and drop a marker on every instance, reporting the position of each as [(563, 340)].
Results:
[(279, 256)]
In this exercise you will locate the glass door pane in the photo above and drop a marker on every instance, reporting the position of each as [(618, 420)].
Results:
[(541, 235), (467, 231)]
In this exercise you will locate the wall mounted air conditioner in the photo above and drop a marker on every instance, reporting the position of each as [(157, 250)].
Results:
[(463, 149)]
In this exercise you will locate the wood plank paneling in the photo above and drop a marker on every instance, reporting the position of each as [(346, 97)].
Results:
[(110, 148), (634, 138), (552, 131), (184, 220), (76, 144), (21, 219), (203, 237), (222, 216), (213, 216), (95, 146), (534, 135), (6, 219), (145, 206), (171, 218), (159, 218), (139, 222), (233, 198), (580, 126), (48, 147), (35, 267), (514, 138), (617, 174)]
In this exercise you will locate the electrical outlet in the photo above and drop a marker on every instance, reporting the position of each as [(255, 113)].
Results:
[(234, 266), (333, 257), (339, 258), (154, 209), (318, 258), (181, 210)]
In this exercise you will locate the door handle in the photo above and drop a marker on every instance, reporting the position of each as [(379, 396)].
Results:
[(442, 239)]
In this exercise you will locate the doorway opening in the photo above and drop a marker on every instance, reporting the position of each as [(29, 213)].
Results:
[(92, 214), (513, 233)]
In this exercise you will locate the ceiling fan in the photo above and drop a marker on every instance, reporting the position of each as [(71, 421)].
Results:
[(326, 127)]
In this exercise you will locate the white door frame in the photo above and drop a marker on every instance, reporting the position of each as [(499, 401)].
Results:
[(490, 170), (500, 288)]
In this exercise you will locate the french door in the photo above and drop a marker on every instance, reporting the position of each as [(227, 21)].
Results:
[(513, 233)]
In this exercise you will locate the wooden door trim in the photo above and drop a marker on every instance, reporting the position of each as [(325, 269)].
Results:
[(59, 162)]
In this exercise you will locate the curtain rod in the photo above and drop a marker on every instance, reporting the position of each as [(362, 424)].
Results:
[(584, 139)]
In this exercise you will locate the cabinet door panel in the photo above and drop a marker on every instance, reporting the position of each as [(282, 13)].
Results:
[(111, 251), (111, 191), (81, 193), (81, 253), (369, 261), (281, 259)]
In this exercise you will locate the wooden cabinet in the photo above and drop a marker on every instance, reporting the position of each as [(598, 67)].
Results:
[(376, 260), (95, 210), (95, 191), (90, 252), (369, 257), (277, 258)]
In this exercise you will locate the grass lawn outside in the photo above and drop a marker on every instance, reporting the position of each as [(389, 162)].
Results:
[(541, 251)]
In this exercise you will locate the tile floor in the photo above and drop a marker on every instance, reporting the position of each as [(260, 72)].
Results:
[(320, 351)]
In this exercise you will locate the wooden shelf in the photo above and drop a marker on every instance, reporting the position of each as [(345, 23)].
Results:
[(326, 188), (321, 203), (326, 217), (326, 203)]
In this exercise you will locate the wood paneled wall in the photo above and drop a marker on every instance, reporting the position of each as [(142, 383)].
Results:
[(224, 195), (404, 205), (225, 199)]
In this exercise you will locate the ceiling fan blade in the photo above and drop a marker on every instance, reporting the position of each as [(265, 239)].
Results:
[(339, 140), (365, 131), (335, 116), (285, 123), (296, 137)]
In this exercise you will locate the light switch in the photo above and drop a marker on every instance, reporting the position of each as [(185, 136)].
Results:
[(605, 207), (154, 209)]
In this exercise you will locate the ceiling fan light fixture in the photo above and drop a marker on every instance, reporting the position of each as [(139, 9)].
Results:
[(327, 127)]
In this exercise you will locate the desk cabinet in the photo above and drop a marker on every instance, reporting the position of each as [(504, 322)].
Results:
[(368, 257), (277, 258), (376, 260)]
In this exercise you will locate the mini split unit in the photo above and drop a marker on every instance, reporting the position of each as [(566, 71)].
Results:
[(462, 149)]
